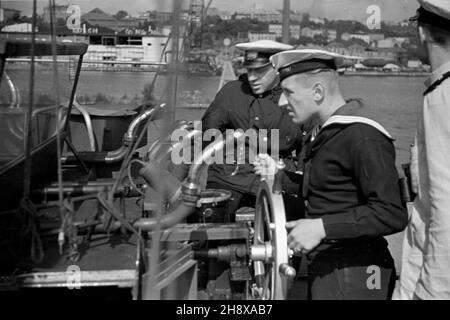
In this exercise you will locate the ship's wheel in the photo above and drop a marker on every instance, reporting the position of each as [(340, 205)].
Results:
[(269, 251)]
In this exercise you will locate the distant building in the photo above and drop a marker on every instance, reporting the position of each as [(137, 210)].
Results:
[(391, 23), (331, 35), (356, 50), (162, 31), (150, 50), (414, 64), (224, 15), (402, 40), (389, 55), (278, 30), (254, 36), (381, 54), (309, 32), (264, 15), (161, 17), (404, 23), (345, 36), (362, 36), (19, 27), (98, 17), (376, 37), (6, 14), (337, 47), (60, 13), (241, 15), (296, 16), (242, 37), (392, 42), (145, 15), (317, 20)]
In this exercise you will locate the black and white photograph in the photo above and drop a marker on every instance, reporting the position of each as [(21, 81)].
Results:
[(245, 152)]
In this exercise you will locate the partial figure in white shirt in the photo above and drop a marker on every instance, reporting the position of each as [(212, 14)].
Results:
[(425, 272)]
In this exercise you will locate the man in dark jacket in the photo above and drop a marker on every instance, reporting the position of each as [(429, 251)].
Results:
[(350, 185), (251, 102)]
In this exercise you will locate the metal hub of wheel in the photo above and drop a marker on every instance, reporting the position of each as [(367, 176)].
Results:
[(269, 251)]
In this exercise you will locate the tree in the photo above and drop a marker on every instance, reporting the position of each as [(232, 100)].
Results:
[(320, 40), (120, 14)]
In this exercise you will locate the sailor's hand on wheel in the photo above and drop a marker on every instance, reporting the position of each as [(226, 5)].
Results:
[(305, 234), (265, 165)]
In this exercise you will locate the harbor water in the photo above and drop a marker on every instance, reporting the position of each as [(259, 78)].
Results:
[(395, 101)]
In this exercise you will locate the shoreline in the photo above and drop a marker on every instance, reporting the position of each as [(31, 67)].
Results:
[(385, 74), (141, 69)]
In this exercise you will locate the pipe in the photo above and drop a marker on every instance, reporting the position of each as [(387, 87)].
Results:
[(119, 154), (163, 146), (161, 150), (176, 216), (190, 189), (194, 134), (15, 96), (83, 189), (198, 166), (286, 21), (88, 122), (131, 132), (162, 181)]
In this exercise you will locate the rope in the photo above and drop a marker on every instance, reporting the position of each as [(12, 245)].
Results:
[(29, 123), (124, 223), (57, 112), (130, 178), (29, 213), (26, 207)]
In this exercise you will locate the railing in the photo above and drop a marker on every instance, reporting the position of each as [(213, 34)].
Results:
[(145, 63)]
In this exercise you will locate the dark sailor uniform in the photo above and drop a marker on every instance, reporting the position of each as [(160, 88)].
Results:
[(351, 183), (236, 107)]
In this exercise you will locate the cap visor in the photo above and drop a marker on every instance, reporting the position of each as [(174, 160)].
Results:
[(255, 65), (415, 18)]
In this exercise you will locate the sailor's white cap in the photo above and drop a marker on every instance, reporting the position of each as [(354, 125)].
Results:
[(257, 53), (292, 62), (434, 12)]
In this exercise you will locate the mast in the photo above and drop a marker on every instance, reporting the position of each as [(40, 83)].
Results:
[(174, 63), (286, 20)]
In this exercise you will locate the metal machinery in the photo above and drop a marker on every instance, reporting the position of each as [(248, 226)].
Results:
[(196, 59), (129, 230), (124, 216)]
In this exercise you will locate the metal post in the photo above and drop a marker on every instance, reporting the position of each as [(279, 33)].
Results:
[(174, 63), (286, 20)]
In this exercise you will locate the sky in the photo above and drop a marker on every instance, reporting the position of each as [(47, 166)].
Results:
[(391, 10)]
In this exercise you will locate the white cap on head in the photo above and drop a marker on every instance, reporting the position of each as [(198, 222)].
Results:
[(297, 61), (257, 53), (434, 12)]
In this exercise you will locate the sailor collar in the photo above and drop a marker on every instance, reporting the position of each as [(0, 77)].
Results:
[(356, 119), (437, 77), (347, 115)]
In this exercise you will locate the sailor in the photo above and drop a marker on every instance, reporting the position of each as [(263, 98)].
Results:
[(350, 183), (251, 102), (426, 247)]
